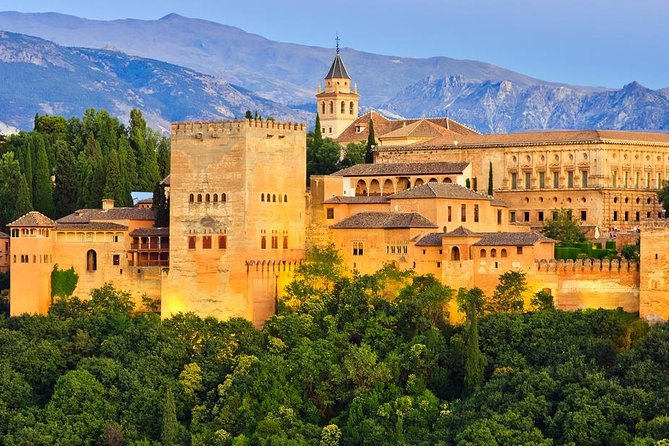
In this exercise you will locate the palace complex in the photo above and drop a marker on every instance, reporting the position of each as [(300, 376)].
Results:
[(241, 215)]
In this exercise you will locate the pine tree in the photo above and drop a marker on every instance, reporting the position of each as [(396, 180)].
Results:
[(164, 157), (161, 207), (42, 190), (490, 180), (170, 430), (113, 184), (318, 136), (66, 192), (371, 142)]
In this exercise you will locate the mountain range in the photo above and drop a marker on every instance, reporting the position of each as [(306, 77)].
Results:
[(178, 68)]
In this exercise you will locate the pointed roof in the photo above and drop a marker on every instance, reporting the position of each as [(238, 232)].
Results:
[(337, 70), (461, 231), (421, 128), (33, 219)]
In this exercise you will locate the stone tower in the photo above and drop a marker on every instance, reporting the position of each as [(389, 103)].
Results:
[(237, 216), (337, 105)]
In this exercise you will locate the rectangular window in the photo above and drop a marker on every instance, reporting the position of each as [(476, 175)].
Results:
[(206, 242), (528, 180), (658, 180), (285, 242), (570, 179), (625, 178), (463, 212), (584, 215), (542, 180), (222, 242), (519, 250), (116, 259), (526, 216), (541, 216), (556, 180), (615, 215), (614, 178), (584, 178), (263, 242), (450, 213), (636, 179), (329, 213), (191, 242), (637, 217), (476, 213), (512, 216), (647, 180), (475, 184), (275, 242), (514, 180), (627, 216), (358, 248), (499, 217)]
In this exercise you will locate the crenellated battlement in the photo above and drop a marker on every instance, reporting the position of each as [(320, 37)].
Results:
[(217, 129), (586, 266)]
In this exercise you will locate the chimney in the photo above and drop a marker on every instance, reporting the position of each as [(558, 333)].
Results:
[(107, 203)]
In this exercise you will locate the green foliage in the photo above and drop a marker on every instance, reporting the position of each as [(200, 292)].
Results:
[(323, 158), (66, 191), (170, 432), (663, 196), (353, 154), (161, 207), (42, 191), (163, 157), (113, 181), (542, 300), (508, 295), (630, 252), (563, 228), (14, 194), (490, 180), (371, 142), (472, 301), (318, 136), (63, 281)]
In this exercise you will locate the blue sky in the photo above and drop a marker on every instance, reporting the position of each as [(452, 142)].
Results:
[(586, 42)]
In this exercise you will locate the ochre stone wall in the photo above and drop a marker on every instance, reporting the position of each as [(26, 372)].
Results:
[(260, 168), (654, 275)]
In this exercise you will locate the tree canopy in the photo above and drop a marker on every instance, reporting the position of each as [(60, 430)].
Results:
[(563, 228)]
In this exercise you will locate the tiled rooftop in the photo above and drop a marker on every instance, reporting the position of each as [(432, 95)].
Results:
[(122, 213), (440, 190), (33, 219), (394, 169), (385, 220), (511, 239)]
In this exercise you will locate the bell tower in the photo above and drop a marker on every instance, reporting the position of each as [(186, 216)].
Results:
[(337, 104)]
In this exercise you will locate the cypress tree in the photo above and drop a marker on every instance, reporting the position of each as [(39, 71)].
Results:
[(318, 136), (23, 204), (371, 142), (474, 359), (113, 183), (28, 166), (161, 206), (248, 114), (490, 180), (96, 180), (14, 195), (66, 192), (164, 157), (42, 191), (170, 430), (126, 158)]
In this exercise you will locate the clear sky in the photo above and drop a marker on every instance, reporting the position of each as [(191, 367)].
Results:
[(587, 42)]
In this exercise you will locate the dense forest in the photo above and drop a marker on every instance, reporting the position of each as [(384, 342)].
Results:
[(348, 360), (63, 165)]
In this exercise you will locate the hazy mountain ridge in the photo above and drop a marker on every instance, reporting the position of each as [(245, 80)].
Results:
[(42, 77), (257, 71), (503, 106)]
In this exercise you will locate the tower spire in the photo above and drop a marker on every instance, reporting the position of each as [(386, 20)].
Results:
[(337, 39)]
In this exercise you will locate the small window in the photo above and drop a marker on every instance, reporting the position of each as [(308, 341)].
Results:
[(512, 216), (275, 242), (541, 216), (358, 248), (483, 254), (207, 198), (519, 250), (438, 264), (615, 215), (263, 242), (91, 260), (273, 198), (285, 242), (343, 107), (224, 197), (215, 200), (463, 212), (191, 198), (206, 242), (191, 242), (116, 260), (514, 180), (350, 108), (329, 213), (285, 198), (499, 217), (584, 215), (476, 213), (493, 252), (526, 216), (503, 253), (199, 198), (450, 213)]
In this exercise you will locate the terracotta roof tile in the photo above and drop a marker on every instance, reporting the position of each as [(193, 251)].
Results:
[(358, 199), (3, 235), (511, 239), (154, 232), (385, 220), (123, 213), (440, 190), (432, 239), (91, 226), (421, 128), (33, 219), (394, 169), (461, 231)]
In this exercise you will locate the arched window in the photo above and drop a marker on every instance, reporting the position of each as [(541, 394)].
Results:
[(91, 260), (483, 254), (343, 107), (207, 198), (323, 107), (455, 253), (493, 252), (502, 253), (263, 242), (215, 198), (280, 198), (273, 198), (199, 198), (191, 198), (285, 198), (361, 188), (350, 108), (262, 197), (331, 107), (418, 182), (224, 197)]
